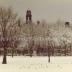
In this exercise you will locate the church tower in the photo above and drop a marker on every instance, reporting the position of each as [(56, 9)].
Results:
[(28, 17)]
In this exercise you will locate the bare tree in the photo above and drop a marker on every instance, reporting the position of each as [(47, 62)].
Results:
[(9, 29), (31, 43)]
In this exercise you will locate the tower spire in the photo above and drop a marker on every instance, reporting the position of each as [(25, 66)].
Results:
[(28, 17)]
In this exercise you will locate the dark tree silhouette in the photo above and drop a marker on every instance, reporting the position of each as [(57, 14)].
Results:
[(9, 30)]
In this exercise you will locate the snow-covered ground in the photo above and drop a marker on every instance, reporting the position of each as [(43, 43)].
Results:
[(36, 64)]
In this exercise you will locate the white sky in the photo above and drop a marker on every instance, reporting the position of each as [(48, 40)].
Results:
[(50, 10)]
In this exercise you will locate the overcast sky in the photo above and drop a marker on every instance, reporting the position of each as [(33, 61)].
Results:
[(50, 10)]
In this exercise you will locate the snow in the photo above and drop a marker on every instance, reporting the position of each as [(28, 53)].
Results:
[(36, 64)]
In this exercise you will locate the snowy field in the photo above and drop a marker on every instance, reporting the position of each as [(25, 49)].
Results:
[(36, 64)]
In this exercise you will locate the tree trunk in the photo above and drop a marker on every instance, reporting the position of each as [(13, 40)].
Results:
[(31, 52), (12, 53), (49, 55), (65, 50), (4, 57), (49, 59)]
